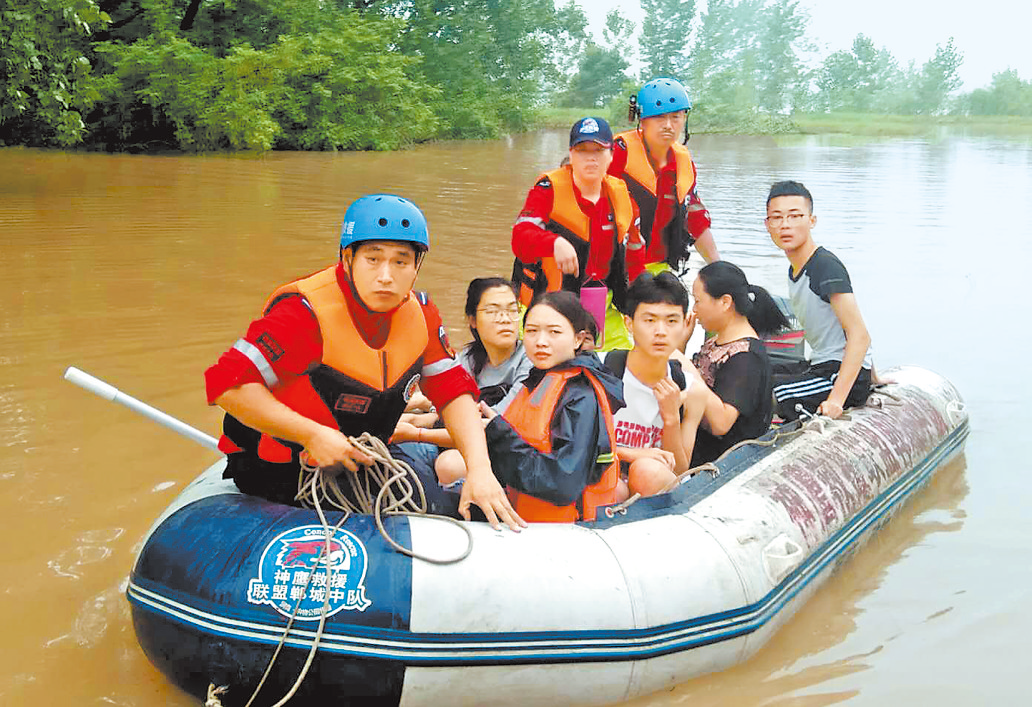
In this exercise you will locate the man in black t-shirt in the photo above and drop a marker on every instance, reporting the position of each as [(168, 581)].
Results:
[(838, 374)]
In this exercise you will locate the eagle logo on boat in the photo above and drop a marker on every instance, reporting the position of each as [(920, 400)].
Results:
[(297, 576)]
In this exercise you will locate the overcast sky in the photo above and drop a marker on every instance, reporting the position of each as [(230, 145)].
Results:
[(993, 35)]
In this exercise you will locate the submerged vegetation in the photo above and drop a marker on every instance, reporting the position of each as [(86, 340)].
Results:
[(201, 75)]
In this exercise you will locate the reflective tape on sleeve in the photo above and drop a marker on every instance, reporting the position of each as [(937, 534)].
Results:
[(438, 367), (531, 219), (258, 359)]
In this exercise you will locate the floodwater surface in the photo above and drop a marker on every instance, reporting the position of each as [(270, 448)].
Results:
[(143, 269)]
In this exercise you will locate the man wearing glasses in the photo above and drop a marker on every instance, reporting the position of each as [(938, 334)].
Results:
[(839, 371)]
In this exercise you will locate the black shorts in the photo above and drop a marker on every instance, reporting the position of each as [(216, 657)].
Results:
[(800, 383)]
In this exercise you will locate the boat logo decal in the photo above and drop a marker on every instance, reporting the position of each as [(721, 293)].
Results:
[(294, 570)]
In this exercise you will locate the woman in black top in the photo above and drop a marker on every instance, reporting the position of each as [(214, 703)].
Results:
[(733, 363)]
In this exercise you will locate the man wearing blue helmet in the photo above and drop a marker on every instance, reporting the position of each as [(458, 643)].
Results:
[(660, 174), (341, 352)]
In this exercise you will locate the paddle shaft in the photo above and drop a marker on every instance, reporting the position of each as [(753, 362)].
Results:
[(110, 392)]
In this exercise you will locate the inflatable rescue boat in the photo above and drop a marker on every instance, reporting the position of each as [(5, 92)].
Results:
[(657, 592)]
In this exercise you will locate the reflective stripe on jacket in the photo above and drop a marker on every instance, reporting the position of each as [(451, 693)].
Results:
[(640, 178), (355, 387), (568, 220)]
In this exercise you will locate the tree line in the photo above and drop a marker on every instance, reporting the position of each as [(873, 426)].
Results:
[(747, 56), (380, 74)]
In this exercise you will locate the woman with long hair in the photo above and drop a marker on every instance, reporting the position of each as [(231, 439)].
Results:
[(733, 363), (495, 356), (554, 446)]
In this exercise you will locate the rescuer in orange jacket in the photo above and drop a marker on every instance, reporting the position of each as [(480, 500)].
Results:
[(554, 446), (577, 230), (341, 352), (660, 175)]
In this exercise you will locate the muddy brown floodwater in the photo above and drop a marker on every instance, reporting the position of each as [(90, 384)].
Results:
[(142, 269)]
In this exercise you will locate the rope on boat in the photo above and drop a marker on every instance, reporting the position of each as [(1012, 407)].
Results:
[(955, 407), (324, 551), (387, 486), (385, 479), (815, 422)]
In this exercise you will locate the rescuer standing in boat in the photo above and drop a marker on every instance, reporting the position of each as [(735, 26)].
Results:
[(660, 175), (571, 233), (341, 352)]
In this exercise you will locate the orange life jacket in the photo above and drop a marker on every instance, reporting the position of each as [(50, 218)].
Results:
[(640, 179), (569, 221), (530, 414), (355, 387)]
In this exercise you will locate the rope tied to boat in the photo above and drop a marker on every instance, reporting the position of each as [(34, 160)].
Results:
[(386, 479), (388, 486), (816, 422), (325, 551)]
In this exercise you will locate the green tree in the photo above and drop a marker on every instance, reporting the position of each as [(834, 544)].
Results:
[(665, 32), (836, 82), (723, 58), (780, 69), (940, 76), (46, 78), (342, 87), (602, 70), (855, 80), (486, 58), (1007, 94), (601, 77), (565, 46)]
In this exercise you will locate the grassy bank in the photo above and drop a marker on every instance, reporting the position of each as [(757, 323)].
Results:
[(909, 125), (754, 123)]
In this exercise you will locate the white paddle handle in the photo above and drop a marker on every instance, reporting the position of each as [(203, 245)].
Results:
[(110, 392)]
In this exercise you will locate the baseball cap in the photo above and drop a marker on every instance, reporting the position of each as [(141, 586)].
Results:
[(594, 129)]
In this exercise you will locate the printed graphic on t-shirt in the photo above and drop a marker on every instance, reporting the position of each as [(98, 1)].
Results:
[(631, 434)]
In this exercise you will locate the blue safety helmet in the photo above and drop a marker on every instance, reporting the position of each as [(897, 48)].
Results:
[(661, 96), (384, 217)]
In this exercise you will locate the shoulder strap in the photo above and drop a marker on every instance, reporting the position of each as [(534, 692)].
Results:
[(677, 373), (616, 362)]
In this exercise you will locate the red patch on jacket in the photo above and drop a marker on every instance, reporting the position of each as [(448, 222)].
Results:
[(354, 404)]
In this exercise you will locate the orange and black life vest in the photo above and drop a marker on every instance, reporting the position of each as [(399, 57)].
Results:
[(640, 179), (530, 414), (354, 387), (569, 221)]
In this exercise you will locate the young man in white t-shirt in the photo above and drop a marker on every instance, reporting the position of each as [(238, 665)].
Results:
[(655, 431)]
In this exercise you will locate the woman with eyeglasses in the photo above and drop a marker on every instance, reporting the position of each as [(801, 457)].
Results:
[(496, 359), (554, 446)]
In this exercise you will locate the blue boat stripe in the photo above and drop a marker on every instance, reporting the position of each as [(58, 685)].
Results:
[(570, 646)]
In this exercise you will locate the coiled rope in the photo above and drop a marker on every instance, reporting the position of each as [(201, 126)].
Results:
[(386, 479)]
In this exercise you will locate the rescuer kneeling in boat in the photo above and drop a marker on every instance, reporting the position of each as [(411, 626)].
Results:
[(340, 353), (572, 231), (554, 446)]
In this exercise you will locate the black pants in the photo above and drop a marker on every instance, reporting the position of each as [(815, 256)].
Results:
[(800, 383)]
